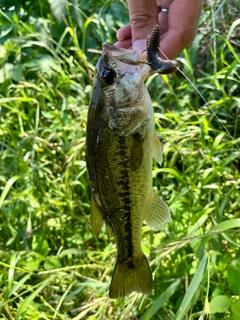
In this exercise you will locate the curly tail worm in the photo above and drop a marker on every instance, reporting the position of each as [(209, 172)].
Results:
[(154, 61)]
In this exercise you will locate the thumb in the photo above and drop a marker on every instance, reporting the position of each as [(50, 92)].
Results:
[(143, 16)]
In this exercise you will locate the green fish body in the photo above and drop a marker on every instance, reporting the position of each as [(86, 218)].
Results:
[(121, 142)]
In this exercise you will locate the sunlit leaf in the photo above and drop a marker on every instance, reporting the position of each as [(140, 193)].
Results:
[(233, 277), (158, 303), (25, 304), (219, 304), (193, 287)]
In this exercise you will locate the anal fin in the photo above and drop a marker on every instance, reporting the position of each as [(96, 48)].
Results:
[(158, 213)]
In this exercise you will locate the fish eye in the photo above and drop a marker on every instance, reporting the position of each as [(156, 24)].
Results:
[(108, 76)]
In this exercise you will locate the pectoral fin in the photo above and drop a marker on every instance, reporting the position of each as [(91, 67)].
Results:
[(158, 213), (157, 149), (96, 217)]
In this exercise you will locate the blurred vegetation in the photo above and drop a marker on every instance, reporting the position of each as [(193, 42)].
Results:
[(51, 266)]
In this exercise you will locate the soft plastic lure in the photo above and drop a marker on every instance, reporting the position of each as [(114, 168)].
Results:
[(154, 61)]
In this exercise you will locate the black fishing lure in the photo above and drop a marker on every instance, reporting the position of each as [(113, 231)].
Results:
[(154, 61)]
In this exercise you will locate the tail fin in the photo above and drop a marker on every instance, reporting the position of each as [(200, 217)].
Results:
[(126, 280)]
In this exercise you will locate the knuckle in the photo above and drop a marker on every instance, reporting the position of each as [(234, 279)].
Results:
[(141, 21), (164, 3)]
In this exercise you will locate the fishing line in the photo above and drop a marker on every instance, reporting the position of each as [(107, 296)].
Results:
[(205, 101)]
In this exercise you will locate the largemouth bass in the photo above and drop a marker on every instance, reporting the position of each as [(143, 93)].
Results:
[(121, 143)]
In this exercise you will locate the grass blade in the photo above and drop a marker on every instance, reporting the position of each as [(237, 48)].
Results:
[(226, 225), (19, 284), (233, 26), (29, 299), (158, 303), (7, 188), (194, 285)]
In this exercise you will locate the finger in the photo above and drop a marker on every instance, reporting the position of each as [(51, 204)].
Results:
[(164, 3), (174, 41), (185, 14), (124, 33), (140, 45), (143, 16), (126, 44), (183, 19), (163, 22), (163, 16)]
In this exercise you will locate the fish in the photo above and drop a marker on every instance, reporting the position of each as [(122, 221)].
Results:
[(121, 143)]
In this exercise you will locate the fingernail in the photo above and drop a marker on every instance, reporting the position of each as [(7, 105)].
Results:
[(117, 35)]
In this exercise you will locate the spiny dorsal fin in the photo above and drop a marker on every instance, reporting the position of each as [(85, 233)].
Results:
[(158, 213)]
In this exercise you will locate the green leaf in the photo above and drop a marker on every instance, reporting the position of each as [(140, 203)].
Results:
[(77, 13), (226, 225), (17, 73), (5, 72), (233, 277), (235, 307), (233, 26), (193, 287), (58, 8), (29, 299), (11, 271), (5, 29), (206, 174), (231, 157), (217, 141), (40, 245), (51, 263), (219, 304), (158, 303), (68, 252), (44, 63), (48, 115), (177, 175), (19, 284), (32, 261), (7, 188)]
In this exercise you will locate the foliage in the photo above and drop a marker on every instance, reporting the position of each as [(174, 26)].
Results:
[(51, 266)]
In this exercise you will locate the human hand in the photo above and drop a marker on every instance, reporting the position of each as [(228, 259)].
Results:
[(178, 26)]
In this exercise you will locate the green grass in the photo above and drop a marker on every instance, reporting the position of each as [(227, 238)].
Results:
[(51, 265)]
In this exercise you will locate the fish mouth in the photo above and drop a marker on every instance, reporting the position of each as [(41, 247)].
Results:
[(128, 56), (131, 55)]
